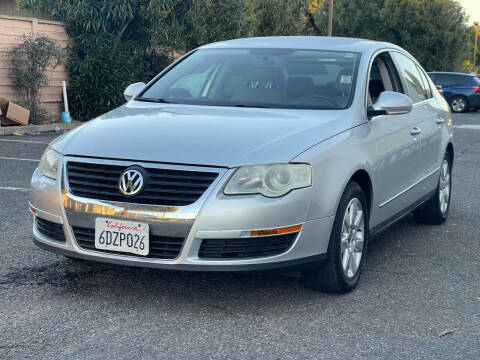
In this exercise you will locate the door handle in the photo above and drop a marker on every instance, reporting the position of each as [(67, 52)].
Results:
[(415, 131), (440, 121)]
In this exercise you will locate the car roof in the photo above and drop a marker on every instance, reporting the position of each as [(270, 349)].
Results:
[(450, 73), (304, 42)]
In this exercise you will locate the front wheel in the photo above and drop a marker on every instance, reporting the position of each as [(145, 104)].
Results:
[(347, 247)]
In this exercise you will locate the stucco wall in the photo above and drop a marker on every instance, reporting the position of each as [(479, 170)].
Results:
[(12, 28)]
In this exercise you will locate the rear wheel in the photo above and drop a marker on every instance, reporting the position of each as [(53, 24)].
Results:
[(436, 209), (341, 270), (459, 104)]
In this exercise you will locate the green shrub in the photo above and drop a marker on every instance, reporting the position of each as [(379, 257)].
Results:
[(434, 31), (31, 61), (115, 43), (100, 73), (110, 48)]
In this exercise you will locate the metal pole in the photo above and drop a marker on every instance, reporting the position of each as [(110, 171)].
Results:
[(475, 45), (330, 17)]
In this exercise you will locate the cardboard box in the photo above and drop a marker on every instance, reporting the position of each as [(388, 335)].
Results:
[(13, 114)]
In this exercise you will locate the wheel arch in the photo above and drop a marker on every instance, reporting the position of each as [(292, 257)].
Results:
[(450, 150), (362, 177), (459, 95)]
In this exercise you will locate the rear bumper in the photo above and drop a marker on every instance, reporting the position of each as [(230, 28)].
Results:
[(474, 100)]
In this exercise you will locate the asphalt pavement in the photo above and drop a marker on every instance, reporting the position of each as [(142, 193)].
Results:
[(419, 296)]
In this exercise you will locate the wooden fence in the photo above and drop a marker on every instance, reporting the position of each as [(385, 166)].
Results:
[(12, 28)]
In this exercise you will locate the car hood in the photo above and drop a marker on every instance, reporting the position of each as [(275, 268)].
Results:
[(202, 135)]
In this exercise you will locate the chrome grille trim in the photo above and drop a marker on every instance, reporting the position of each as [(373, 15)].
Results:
[(163, 186)]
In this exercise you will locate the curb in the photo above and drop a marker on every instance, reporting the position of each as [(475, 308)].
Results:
[(37, 129)]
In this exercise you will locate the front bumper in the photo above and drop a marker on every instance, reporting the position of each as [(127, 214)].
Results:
[(212, 216)]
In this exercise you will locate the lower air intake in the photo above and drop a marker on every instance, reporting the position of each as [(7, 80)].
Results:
[(242, 248)]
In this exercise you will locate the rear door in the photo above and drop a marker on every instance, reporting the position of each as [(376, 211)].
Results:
[(431, 137), (427, 129), (461, 85), (448, 84)]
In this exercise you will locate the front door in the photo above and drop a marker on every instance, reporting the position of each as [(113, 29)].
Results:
[(397, 144)]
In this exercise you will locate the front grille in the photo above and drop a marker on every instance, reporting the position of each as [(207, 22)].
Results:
[(50, 229), (162, 186), (246, 247), (161, 247)]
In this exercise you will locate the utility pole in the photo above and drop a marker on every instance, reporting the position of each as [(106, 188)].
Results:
[(330, 17), (475, 45)]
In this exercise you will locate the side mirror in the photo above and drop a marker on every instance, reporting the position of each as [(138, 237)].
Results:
[(132, 90), (391, 103)]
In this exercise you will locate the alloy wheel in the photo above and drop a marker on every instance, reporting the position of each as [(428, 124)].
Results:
[(444, 187), (352, 237), (458, 105)]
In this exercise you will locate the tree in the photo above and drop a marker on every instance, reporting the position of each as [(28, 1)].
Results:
[(187, 24), (31, 60), (468, 64), (115, 43), (434, 31), (110, 48), (119, 42), (278, 17)]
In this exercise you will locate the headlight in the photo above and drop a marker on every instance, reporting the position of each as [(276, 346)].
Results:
[(269, 180), (49, 163)]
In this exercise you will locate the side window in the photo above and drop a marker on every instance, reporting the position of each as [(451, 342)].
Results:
[(460, 79), (444, 79), (425, 82), (375, 83), (380, 78), (411, 76)]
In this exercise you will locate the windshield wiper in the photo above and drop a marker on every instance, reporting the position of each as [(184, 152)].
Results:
[(163, 101), (249, 106)]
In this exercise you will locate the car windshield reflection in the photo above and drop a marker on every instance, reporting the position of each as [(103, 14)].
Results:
[(265, 78)]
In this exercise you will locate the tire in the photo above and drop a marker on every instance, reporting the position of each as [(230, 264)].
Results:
[(435, 211), (459, 104), (332, 275)]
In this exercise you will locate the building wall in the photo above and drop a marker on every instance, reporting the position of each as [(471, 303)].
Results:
[(12, 28)]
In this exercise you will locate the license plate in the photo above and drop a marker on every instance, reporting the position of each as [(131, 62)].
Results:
[(122, 236)]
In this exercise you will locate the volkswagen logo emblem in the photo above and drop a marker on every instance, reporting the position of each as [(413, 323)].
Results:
[(130, 182)]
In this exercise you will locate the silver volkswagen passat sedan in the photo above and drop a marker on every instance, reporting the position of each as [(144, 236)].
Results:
[(253, 154)]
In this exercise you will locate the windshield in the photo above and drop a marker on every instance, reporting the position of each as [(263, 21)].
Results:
[(271, 78)]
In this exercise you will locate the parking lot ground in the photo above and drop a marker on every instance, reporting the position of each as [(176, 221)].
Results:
[(419, 297)]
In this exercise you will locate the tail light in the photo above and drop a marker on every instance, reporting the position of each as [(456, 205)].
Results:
[(476, 89)]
